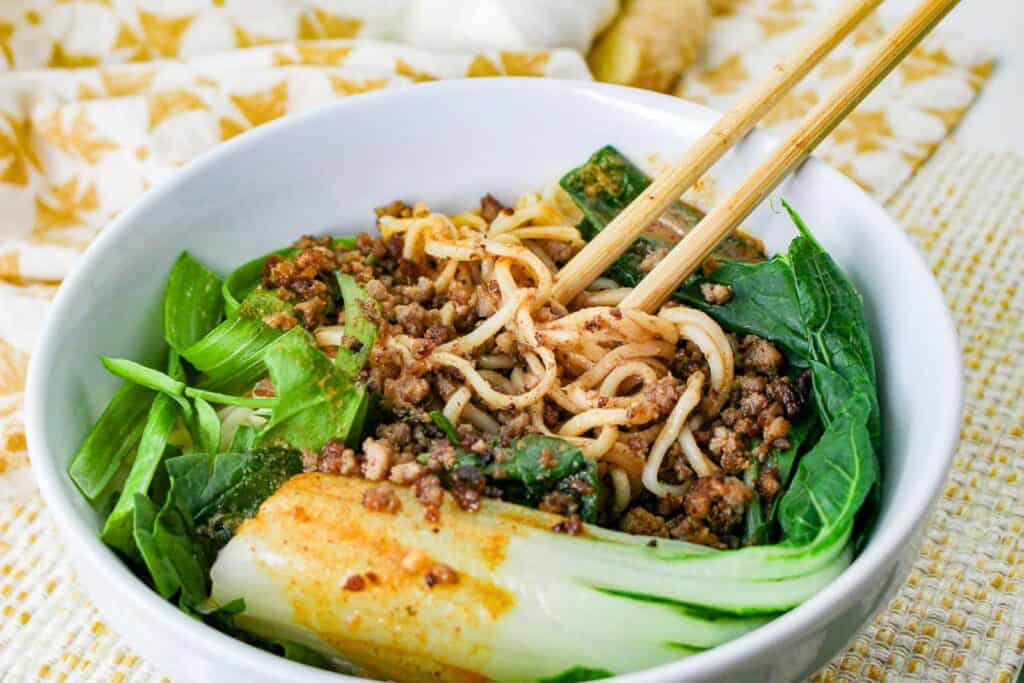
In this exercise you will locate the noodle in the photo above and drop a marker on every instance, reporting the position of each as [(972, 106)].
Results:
[(624, 386), (594, 363)]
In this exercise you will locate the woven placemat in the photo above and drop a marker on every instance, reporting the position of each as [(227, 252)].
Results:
[(960, 615)]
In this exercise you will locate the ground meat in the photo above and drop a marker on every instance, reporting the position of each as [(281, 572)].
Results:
[(430, 494), (559, 503), (382, 499), (336, 459), (663, 394), (441, 574), (490, 207), (308, 288), (514, 424), (749, 384), (752, 404), (355, 583), (670, 504), (378, 457), (768, 484), (438, 334), (560, 252), (715, 293), (776, 431), (309, 460), (468, 485), (729, 448), (781, 389), (761, 355), (377, 289), (653, 259), (395, 209), (413, 319), (277, 271), (311, 312), (406, 473), (264, 388), (399, 434), (644, 523), (407, 391), (686, 529), (718, 501), (281, 320), (572, 525)]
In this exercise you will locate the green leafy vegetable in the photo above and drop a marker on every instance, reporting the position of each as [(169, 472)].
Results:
[(165, 540), (833, 479), (764, 303), (176, 388), (532, 467), (446, 426), (605, 185), (243, 439), (359, 404), (577, 674), (192, 302), (316, 402), (147, 377), (207, 426), (358, 327), (297, 652), (117, 531), (833, 315), (536, 465), (231, 355), (230, 400), (221, 491), (110, 443), (760, 521)]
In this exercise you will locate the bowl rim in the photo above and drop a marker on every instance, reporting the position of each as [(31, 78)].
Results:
[(135, 595)]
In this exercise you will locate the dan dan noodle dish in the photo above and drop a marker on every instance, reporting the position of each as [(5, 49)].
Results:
[(400, 455)]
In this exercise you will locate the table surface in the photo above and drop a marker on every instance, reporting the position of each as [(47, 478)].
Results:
[(996, 121)]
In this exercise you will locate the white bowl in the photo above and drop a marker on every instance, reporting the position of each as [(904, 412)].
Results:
[(449, 143)]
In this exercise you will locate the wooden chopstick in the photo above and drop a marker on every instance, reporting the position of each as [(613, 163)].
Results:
[(656, 287), (616, 237)]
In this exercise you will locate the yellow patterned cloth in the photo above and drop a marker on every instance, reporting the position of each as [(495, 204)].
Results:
[(103, 99), (899, 125)]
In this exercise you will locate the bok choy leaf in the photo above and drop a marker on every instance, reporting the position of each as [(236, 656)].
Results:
[(316, 401), (221, 491), (833, 479), (165, 539), (360, 330), (163, 413), (550, 597), (107, 450), (192, 302), (231, 355)]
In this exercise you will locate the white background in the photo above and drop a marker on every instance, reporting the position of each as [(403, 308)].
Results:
[(996, 120)]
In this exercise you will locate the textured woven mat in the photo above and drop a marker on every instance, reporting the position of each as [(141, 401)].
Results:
[(960, 616)]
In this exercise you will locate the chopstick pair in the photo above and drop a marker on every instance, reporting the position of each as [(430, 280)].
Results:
[(691, 251)]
